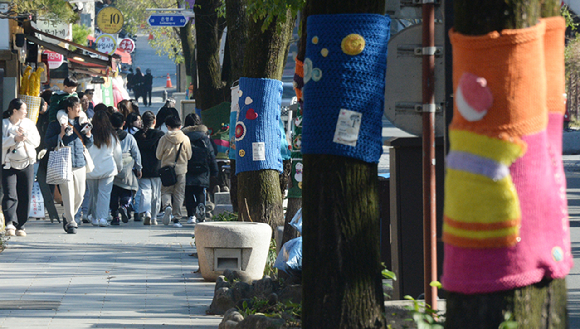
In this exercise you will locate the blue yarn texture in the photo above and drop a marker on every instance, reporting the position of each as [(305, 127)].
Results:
[(344, 81), (266, 97)]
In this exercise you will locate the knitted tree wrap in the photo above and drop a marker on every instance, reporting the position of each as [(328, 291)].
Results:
[(257, 131), (234, 111), (344, 79)]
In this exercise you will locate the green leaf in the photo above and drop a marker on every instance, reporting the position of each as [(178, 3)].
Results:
[(436, 284)]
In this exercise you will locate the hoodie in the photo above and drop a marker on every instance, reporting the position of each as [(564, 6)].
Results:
[(147, 143), (131, 159), (195, 133), (55, 101), (168, 148)]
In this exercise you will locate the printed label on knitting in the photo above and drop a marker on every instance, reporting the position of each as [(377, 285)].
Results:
[(347, 127), (259, 151)]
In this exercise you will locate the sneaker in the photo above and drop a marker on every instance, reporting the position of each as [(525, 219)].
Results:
[(153, 221), (124, 216), (116, 221), (10, 230), (85, 220), (177, 224), (161, 214), (146, 218), (103, 222), (94, 221), (68, 131), (167, 215), (20, 232), (137, 217), (71, 229), (191, 220)]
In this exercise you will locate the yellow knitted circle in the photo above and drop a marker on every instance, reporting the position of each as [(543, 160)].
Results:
[(353, 44), (242, 153), (324, 52), (315, 40)]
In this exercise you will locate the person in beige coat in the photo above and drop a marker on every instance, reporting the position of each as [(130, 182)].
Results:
[(169, 145)]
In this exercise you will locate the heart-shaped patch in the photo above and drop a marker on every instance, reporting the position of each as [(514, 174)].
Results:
[(251, 114)]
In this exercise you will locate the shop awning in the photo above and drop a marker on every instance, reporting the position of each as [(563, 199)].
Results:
[(100, 60), (125, 56)]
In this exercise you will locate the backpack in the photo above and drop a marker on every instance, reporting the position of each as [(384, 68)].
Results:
[(199, 157)]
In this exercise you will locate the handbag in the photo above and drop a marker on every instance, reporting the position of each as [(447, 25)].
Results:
[(90, 166), (59, 169), (167, 173)]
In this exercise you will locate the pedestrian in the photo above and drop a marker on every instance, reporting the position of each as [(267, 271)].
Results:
[(200, 167), (91, 108), (107, 157), (74, 190), (174, 149), (69, 89), (150, 184), (125, 182), (165, 111), (125, 107), (46, 189), (20, 138), (139, 85), (133, 123), (130, 78), (148, 87)]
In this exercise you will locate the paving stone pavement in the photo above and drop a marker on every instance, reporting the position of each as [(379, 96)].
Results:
[(127, 276)]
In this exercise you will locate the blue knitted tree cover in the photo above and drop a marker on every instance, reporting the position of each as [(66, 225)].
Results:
[(344, 76), (257, 131)]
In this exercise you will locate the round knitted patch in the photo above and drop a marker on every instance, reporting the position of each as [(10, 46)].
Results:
[(344, 82), (257, 132)]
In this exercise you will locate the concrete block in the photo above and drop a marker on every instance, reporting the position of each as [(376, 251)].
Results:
[(221, 208), (279, 235), (241, 246), (222, 198)]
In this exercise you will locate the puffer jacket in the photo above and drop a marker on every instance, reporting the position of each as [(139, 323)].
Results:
[(168, 148), (126, 178), (194, 133), (75, 143), (147, 142)]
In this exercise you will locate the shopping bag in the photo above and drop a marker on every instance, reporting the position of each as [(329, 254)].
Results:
[(90, 166), (59, 170), (36, 209), (32, 106)]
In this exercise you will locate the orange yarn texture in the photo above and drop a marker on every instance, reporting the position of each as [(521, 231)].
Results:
[(512, 62), (554, 51), (299, 70)]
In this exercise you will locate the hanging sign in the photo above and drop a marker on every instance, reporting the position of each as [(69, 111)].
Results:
[(127, 44), (110, 20), (106, 43), (55, 59)]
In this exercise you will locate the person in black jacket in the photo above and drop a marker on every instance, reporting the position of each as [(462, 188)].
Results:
[(200, 167), (148, 87), (150, 182)]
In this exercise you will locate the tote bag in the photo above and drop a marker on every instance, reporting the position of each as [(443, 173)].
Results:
[(59, 168)]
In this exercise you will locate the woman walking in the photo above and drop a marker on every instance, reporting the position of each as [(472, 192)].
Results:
[(19, 140), (74, 190), (200, 167), (149, 192), (107, 157)]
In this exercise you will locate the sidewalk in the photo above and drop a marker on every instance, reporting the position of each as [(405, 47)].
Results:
[(128, 276)]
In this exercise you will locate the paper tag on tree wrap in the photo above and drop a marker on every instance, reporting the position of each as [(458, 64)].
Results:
[(347, 127), (259, 151)]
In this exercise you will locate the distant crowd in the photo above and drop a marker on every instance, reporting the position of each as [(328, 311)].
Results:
[(125, 165)]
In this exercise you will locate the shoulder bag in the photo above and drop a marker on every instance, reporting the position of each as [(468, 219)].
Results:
[(167, 173)]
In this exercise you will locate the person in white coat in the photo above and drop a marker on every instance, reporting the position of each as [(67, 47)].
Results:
[(20, 139), (107, 157)]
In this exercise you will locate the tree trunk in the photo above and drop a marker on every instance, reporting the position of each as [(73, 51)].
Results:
[(259, 194), (342, 284), (188, 48), (238, 34), (208, 30), (541, 305)]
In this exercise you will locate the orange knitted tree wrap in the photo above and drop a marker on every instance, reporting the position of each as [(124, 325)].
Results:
[(512, 62), (554, 53)]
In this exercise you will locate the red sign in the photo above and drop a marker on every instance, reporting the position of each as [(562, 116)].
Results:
[(127, 45), (55, 59)]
